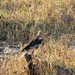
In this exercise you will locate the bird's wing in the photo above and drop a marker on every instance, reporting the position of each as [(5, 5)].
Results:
[(35, 42), (27, 47)]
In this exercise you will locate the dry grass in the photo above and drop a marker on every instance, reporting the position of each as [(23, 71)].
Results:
[(19, 22), (54, 59)]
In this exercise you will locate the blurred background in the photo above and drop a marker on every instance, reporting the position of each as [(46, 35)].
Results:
[(20, 20)]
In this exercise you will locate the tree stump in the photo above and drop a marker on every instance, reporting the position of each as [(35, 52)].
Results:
[(30, 63)]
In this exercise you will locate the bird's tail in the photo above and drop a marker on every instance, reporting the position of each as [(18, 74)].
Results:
[(23, 50), (24, 53)]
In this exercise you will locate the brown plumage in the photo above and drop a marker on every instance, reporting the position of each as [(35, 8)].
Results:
[(35, 43)]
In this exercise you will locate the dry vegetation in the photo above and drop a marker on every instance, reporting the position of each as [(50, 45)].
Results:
[(19, 22), (52, 59)]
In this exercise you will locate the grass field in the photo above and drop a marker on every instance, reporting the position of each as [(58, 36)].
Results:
[(20, 20), (54, 59)]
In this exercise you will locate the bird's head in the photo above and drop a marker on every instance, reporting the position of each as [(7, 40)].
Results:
[(40, 33)]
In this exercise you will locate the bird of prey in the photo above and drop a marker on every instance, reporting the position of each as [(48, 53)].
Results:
[(35, 43)]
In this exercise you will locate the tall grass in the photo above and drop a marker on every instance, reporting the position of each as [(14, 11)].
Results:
[(52, 59), (20, 20)]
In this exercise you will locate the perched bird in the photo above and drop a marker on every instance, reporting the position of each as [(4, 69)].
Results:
[(35, 43)]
